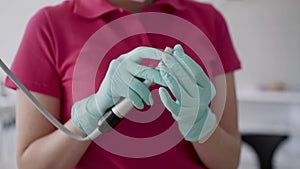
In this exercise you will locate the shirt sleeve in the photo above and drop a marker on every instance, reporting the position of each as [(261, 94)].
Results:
[(224, 45), (34, 64)]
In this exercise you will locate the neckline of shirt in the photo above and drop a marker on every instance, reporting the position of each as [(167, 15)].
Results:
[(95, 8)]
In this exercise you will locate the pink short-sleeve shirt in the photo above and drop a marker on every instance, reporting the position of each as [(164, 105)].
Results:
[(52, 43)]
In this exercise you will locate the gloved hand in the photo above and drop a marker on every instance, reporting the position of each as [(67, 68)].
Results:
[(120, 81), (193, 92)]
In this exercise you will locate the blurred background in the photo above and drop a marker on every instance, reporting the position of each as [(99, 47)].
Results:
[(266, 35)]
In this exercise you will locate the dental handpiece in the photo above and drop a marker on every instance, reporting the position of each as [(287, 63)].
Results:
[(108, 121), (114, 115)]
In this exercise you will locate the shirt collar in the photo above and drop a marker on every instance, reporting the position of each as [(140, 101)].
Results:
[(95, 8)]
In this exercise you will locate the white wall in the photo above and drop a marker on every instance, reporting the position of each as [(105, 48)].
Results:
[(266, 34)]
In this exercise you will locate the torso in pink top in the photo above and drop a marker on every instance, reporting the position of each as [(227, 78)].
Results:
[(50, 48)]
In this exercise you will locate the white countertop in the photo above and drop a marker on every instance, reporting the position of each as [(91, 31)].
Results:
[(269, 96)]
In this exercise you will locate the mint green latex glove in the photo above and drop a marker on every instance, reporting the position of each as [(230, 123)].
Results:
[(193, 92), (120, 82)]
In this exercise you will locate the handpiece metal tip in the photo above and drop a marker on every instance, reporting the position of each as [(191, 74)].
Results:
[(169, 50)]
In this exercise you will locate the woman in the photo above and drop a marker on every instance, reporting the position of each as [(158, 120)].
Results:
[(45, 64)]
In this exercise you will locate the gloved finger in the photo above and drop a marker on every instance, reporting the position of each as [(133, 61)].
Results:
[(146, 73), (178, 71), (141, 89), (168, 102), (142, 52), (177, 90), (122, 82), (135, 99), (170, 81), (191, 66), (197, 72)]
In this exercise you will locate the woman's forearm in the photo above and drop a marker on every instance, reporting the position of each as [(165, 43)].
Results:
[(220, 151), (55, 151)]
